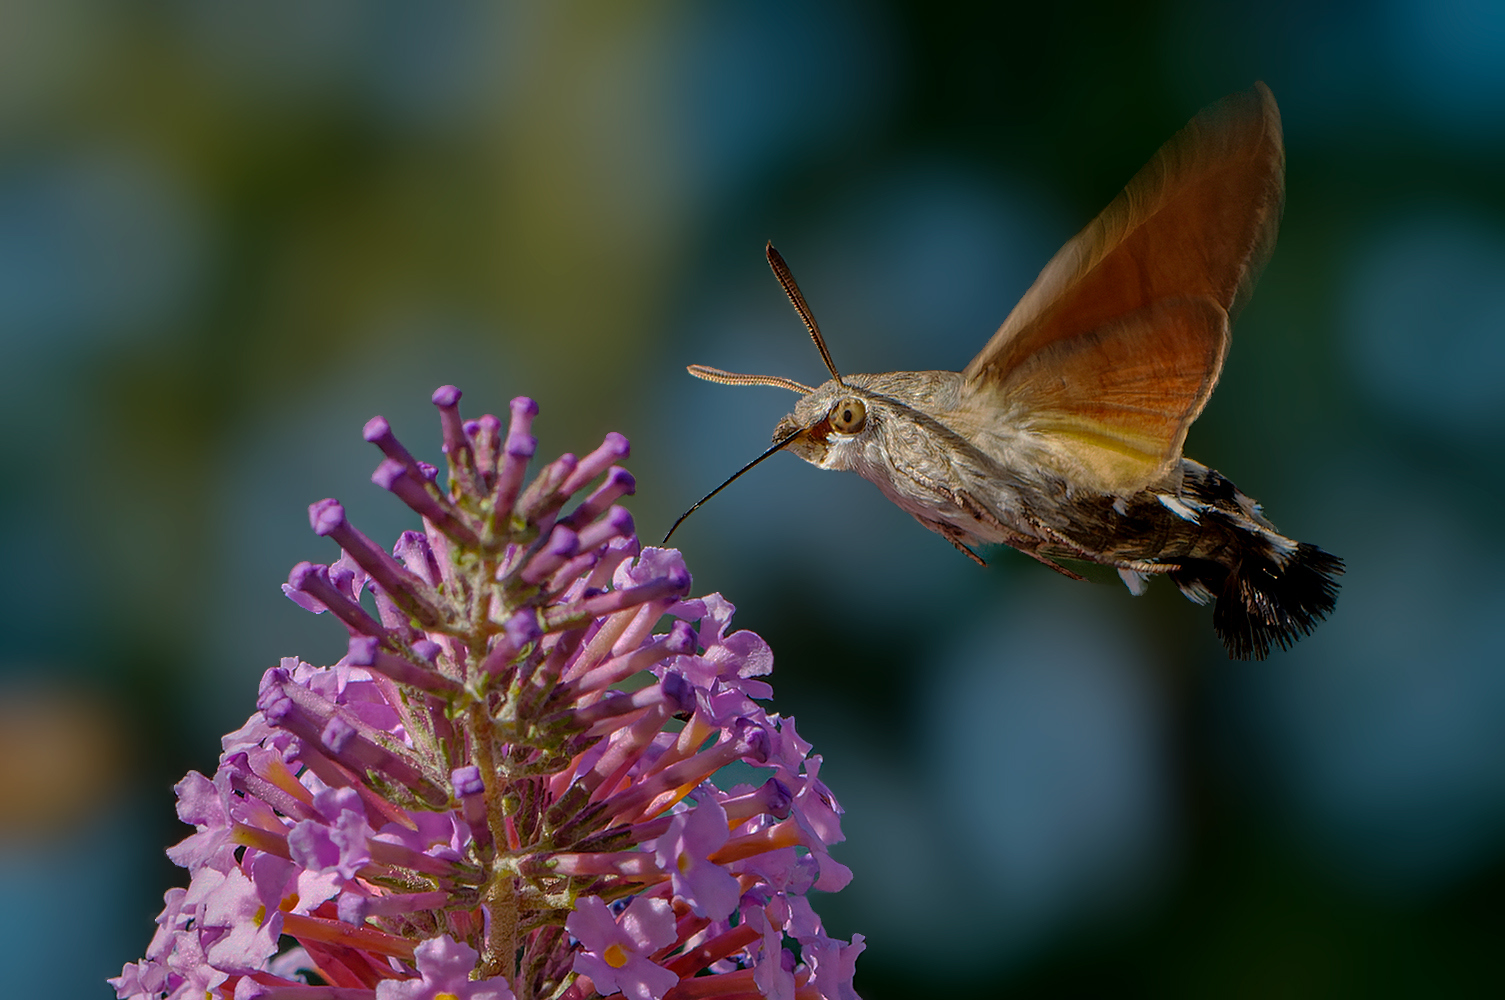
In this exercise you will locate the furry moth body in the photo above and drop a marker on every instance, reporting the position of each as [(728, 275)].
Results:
[(1063, 437)]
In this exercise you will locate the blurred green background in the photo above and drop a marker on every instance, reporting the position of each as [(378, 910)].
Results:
[(231, 232)]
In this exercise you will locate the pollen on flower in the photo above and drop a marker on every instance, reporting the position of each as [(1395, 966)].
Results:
[(506, 789)]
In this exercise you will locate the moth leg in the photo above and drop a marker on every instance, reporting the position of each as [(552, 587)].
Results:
[(1023, 543), (1056, 538), (1135, 573), (1145, 566), (1029, 546), (954, 535), (967, 504), (1047, 561), (979, 511), (1015, 539)]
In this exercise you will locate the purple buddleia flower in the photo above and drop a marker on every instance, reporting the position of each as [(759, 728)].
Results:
[(205, 805), (774, 972), (444, 968), (615, 951), (249, 910), (337, 840), (684, 852), (506, 789), (834, 963)]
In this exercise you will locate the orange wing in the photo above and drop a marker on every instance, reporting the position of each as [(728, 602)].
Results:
[(1113, 352)]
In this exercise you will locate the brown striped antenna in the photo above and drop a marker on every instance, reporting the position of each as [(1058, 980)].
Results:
[(791, 289)]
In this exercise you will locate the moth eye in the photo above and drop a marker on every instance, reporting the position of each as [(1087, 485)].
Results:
[(849, 416)]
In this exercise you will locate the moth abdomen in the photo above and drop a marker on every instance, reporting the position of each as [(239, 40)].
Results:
[(1212, 541), (1270, 590)]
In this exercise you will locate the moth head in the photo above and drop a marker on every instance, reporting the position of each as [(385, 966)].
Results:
[(825, 423)]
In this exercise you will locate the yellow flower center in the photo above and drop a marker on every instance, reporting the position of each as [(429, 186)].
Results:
[(615, 956), (261, 915), (445, 996)]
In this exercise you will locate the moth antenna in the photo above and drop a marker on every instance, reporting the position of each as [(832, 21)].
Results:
[(732, 378), (786, 279), (777, 445)]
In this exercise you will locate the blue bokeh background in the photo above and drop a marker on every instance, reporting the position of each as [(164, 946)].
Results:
[(229, 233)]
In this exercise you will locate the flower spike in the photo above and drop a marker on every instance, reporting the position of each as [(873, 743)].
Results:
[(506, 789)]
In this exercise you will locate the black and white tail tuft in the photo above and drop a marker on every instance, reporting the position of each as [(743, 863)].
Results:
[(1264, 601)]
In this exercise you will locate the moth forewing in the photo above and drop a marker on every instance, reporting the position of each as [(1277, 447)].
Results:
[(1199, 219)]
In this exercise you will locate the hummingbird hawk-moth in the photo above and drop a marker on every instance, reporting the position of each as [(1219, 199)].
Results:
[(1063, 437)]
